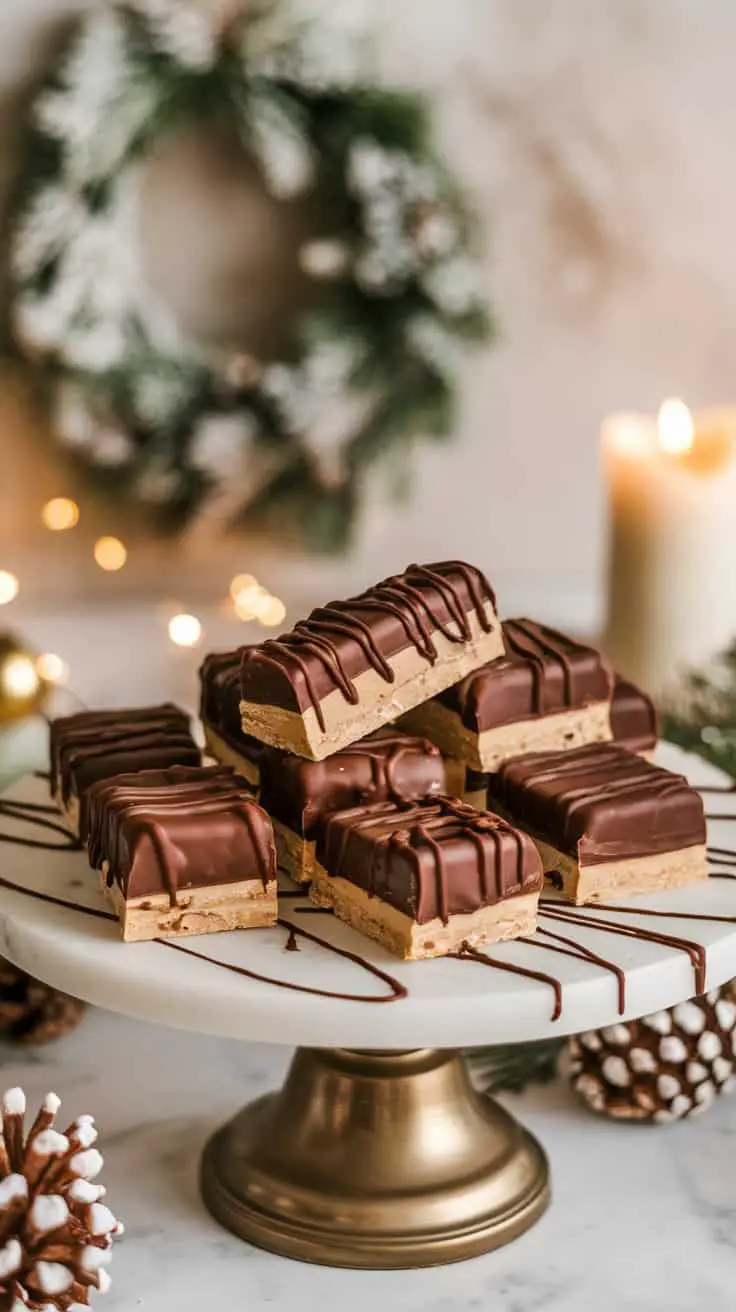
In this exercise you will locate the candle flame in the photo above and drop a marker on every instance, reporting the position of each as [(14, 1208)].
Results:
[(675, 428)]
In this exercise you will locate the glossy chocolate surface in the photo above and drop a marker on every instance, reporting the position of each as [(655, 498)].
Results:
[(387, 766), (430, 859), (219, 705), (542, 673), (600, 803), (344, 639), (94, 745), (633, 717), (177, 836), (103, 796)]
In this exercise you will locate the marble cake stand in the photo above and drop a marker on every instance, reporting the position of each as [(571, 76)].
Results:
[(377, 1152)]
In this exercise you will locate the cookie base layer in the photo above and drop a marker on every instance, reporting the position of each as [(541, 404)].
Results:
[(486, 751), (408, 939), (215, 909), (216, 747), (296, 856), (379, 702), (619, 879)]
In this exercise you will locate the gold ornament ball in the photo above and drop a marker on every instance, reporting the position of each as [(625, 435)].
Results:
[(22, 689)]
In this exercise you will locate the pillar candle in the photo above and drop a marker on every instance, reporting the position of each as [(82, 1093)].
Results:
[(672, 560)]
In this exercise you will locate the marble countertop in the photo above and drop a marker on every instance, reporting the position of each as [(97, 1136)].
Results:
[(642, 1220)]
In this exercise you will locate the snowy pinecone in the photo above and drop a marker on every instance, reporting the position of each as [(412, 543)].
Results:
[(663, 1067), (33, 1012), (56, 1234)]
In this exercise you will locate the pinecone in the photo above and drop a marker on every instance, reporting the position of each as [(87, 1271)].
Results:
[(32, 1012), (663, 1067), (55, 1233)]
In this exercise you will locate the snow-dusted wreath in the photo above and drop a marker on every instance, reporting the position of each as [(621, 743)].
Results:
[(170, 421)]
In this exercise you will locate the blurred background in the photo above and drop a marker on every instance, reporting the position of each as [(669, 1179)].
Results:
[(594, 141)]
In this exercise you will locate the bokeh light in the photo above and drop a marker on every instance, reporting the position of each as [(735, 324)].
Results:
[(8, 587), (19, 676), (52, 668), (185, 630), (110, 553), (60, 513), (271, 612), (241, 583)]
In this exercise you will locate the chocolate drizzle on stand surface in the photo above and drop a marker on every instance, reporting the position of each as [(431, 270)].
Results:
[(34, 813), (337, 642), (468, 953), (397, 991), (575, 916)]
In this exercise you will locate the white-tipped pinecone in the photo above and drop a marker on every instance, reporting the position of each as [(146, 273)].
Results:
[(663, 1067), (55, 1232)]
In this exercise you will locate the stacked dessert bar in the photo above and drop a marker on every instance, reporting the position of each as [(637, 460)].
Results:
[(416, 763), (552, 748), (181, 848)]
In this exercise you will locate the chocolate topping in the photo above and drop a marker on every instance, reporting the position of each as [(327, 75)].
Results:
[(183, 835), (327, 651), (544, 672), (429, 859), (600, 803), (387, 766), (94, 745), (219, 706), (633, 717), (105, 798)]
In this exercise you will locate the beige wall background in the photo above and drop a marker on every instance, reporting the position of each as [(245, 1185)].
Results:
[(597, 137)]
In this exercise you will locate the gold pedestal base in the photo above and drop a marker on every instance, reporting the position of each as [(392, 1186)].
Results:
[(368, 1159)]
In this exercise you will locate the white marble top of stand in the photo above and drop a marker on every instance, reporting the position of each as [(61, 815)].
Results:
[(448, 1003)]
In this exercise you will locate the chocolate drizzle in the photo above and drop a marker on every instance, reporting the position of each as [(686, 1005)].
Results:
[(34, 813), (429, 859), (345, 638), (468, 953), (387, 765), (695, 951), (570, 948), (202, 826), (396, 989), (600, 803)]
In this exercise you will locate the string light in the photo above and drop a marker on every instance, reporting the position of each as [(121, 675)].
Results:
[(19, 676), (51, 668), (185, 630), (60, 513), (241, 583), (110, 553), (8, 587), (271, 612), (249, 601)]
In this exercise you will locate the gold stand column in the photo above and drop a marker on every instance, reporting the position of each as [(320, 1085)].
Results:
[(371, 1159)]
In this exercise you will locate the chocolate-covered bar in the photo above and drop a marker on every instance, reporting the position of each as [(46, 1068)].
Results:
[(219, 709), (353, 666), (387, 766), (192, 856), (633, 725), (609, 822), (633, 717), (546, 693), (427, 878), (94, 745)]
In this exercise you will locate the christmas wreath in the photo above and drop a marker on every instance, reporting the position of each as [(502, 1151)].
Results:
[(181, 425)]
